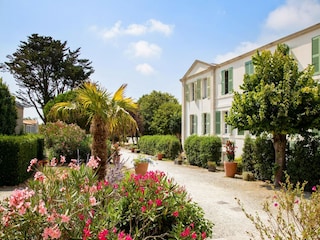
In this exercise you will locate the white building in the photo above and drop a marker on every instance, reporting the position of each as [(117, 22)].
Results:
[(207, 88)]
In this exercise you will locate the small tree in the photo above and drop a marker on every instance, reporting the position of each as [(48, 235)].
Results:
[(278, 99), (8, 112)]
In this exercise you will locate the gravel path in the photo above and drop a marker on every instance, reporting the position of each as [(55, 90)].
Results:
[(214, 192)]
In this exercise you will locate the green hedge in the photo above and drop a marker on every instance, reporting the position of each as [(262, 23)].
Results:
[(16, 153), (169, 145), (201, 149)]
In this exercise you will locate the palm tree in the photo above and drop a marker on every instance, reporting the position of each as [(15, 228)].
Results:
[(106, 115)]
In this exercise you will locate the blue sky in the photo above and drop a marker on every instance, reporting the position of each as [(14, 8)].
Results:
[(150, 44)]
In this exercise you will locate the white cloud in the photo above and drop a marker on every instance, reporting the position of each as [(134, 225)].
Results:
[(293, 16), (134, 29), (157, 26), (144, 49), (145, 69)]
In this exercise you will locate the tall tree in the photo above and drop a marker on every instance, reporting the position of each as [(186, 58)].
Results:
[(167, 119), (149, 104), (8, 112), (278, 99), (105, 113), (43, 68)]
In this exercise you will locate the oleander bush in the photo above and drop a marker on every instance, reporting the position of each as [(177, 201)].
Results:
[(70, 203)]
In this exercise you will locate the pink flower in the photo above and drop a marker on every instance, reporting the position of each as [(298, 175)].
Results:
[(275, 204), (158, 202), (93, 162), (121, 235), (143, 208), (102, 235), (194, 235), (53, 233), (53, 162), (39, 176), (203, 235), (92, 201), (150, 202), (175, 214), (32, 162), (64, 218), (186, 232), (42, 208), (314, 188), (62, 159), (86, 233)]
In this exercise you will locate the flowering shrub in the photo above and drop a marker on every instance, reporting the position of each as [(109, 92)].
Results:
[(70, 203), (154, 205), (292, 214), (64, 139)]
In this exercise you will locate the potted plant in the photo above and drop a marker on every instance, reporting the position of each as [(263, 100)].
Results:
[(141, 164), (230, 167), (212, 166), (160, 155)]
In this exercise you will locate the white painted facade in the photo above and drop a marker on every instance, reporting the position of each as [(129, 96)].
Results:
[(200, 111)]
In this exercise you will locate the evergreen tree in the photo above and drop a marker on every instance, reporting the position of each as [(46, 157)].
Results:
[(8, 112)]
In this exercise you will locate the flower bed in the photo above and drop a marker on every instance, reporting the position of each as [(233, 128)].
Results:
[(70, 203)]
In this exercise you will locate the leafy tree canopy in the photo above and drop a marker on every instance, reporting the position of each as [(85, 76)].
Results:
[(43, 68), (149, 105), (8, 112), (167, 119), (278, 99)]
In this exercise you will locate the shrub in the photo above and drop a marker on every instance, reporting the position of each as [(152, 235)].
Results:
[(264, 158), (201, 149), (304, 161), (248, 160), (16, 151), (210, 149), (291, 214), (65, 139), (154, 206), (192, 150), (70, 203), (169, 145)]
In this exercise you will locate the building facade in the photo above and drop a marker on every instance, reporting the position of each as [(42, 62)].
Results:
[(207, 89)]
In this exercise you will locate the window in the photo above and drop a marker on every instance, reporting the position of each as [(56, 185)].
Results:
[(193, 124), (205, 123), (316, 54), (249, 69), (226, 127), (227, 81), (218, 122), (205, 88)]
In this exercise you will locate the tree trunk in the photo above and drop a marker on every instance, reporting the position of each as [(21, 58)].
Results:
[(279, 144), (99, 145)]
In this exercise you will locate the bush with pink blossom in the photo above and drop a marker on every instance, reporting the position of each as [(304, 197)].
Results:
[(70, 203)]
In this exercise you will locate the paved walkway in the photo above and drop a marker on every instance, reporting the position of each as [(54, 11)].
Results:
[(214, 192)]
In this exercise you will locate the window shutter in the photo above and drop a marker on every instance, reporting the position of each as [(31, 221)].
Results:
[(240, 132), (203, 123), (230, 80), (208, 87), (223, 80), (218, 122), (208, 123), (187, 92), (316, 54), (195, 124), (198, 92)]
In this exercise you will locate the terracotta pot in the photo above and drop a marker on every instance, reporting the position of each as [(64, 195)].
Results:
[(230, 168), (141, 168), (160, 156)]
